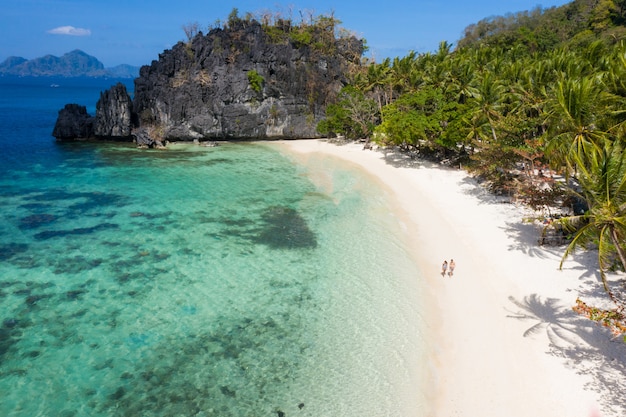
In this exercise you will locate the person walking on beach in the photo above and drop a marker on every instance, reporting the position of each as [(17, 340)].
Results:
[(444, 268), (451, 266)]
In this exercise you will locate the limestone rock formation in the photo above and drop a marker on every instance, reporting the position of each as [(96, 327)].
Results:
[(113, 120), (245, 81), (73, 122), (114, 113)]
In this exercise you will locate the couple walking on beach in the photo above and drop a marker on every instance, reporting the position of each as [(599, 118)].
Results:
[(448, 266)]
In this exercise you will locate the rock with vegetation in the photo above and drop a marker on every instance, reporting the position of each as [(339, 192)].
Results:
[(247, 80)]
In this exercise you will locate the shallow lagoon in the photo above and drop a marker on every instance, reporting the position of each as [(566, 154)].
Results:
[(201, 281)]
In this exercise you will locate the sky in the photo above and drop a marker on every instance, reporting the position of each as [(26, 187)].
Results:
[(135, 32)]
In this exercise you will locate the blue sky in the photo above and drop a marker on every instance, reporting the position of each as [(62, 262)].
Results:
[(136, 31)]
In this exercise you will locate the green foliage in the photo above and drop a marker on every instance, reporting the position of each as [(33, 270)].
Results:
[(276, 35), (233, 18), (256, 81), (415, 118), (540, 30), (301, 37), (353, 116), (546, 86), (602, 176)]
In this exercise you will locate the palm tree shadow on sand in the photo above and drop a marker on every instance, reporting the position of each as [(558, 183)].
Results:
[(585, 347)]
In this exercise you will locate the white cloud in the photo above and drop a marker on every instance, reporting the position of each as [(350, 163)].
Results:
[(70, 30)]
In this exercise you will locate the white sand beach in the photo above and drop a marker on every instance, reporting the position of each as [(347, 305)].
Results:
[(506, 341)]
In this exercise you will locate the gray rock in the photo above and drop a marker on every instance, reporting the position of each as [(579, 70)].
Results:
[(143, 139), (73, 122), (201, 89), (241, 82), (114, 114)]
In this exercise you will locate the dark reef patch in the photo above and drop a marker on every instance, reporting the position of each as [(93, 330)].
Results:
[(6, 342), (36, 220), (10, 322), (285, 228), (129, 157), (74, 295), (97, 200), (76, 265), (35, 207), (162, 387), (83, 202), (49, 234), (33, 300), (9, 250)]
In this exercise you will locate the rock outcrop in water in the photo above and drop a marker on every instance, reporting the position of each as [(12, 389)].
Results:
[(73, 122), (113, 120), (114, 113), (246, 81)]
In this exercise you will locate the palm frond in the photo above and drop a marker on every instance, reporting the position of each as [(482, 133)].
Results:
[(580, 239)]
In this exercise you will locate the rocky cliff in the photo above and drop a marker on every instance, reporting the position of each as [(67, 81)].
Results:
[(244, 81), (114, 114)]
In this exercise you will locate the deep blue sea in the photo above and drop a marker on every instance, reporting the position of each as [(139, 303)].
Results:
[(193, 281)]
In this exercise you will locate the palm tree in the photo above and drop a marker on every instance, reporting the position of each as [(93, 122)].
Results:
[(400, 72), (574, 115), (529, 88), (614, 78), (486, 98), (378, 78), (462, 73), (603, 184)]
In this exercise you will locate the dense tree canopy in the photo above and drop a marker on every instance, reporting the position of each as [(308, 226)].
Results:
[(541, 88)]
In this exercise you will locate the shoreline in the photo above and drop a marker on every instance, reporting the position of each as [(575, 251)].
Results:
[(506, 341)]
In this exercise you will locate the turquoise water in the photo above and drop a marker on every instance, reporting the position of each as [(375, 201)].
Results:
[(199, 282)]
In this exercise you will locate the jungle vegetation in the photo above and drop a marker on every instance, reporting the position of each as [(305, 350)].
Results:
[(543, 89)]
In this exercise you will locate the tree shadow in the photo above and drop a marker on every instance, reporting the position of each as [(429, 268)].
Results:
[(392, 155), (585, 347), (524, 237), (400, 159)]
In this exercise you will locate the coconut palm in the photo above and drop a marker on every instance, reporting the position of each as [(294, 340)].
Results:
[(614, 78), (486, 101), (574, 115), (462, 73), (603, 184), (400, 74), (377, 79)]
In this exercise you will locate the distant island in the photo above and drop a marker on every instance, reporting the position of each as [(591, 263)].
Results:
[(72, 64)]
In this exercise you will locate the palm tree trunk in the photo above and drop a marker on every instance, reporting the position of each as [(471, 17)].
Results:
[(618, 247)]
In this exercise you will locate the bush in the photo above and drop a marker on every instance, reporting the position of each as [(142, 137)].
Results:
[(256, 80), (301, 38)]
